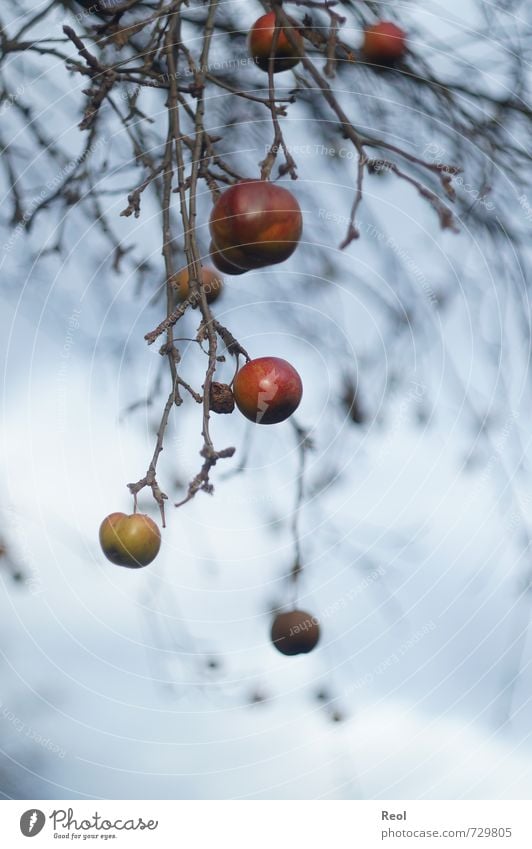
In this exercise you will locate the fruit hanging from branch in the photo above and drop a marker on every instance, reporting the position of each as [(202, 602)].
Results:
[(132, 541), (223, 264), (211, 283), (384, 42), (260, 45), (295, 632), (254, 224), (267, 390)]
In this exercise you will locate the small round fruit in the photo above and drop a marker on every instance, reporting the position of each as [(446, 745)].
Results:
[(132, 541), (255, 223), (211, 283), (267, 390), (384, 42), (260, 42), (295, 632)]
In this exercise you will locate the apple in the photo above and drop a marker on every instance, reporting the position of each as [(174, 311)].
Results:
[(267, 390), (260, 42), (132, 541), (253, 224), (211, 283), (295, 632), (384, 42), (223, 264)]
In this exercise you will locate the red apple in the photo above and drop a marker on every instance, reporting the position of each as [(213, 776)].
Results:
[(260, 42), (254, 224), (223, 264), (132, 541), (267, 390), (384, 42), (295, 632)]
